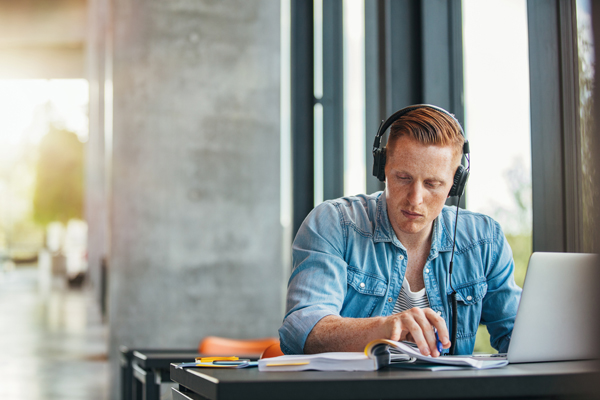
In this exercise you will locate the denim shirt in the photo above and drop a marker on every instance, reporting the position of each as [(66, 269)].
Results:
[(348, 262)]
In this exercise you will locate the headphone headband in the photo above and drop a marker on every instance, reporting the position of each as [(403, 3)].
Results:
[(379, 154), (383, 127)]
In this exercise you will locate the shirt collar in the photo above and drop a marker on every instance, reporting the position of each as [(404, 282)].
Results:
[(440, 240), (383, 228)]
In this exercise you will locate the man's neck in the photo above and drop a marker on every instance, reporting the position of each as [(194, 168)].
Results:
[(415, 241)]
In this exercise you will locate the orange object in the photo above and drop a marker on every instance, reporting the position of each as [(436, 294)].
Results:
[(220, 346), (273, 350)]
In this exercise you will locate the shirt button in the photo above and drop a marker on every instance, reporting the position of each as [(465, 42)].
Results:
[(400, 257), (390, 300), (362, 284), (469, 298), (426, 270)]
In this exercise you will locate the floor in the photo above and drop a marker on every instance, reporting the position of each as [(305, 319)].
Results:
[(53, 343)]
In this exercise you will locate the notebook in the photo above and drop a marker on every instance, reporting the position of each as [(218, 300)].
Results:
[(370, 360), (558, 313)]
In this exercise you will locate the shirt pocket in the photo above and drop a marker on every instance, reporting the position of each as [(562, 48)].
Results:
[(471, 293), (469, 303), (364, 292)]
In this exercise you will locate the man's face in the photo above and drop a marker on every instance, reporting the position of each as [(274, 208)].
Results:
[(418, 180)]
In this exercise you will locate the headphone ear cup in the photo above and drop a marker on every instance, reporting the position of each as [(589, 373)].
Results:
[(460, 181), (379, 164)]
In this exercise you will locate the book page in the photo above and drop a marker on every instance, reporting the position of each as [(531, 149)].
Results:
[(465, 361)]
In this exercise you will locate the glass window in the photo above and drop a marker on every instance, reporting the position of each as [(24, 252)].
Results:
[(497, 122), (585, 47), (354, 98), (29, 111)]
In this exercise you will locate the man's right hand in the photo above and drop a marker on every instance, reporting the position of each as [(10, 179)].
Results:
[(335, 333), (417, 325)]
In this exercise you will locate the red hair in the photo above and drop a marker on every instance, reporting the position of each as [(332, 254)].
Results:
[(429, 127)]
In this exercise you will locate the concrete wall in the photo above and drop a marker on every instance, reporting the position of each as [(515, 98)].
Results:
[(193, 159)]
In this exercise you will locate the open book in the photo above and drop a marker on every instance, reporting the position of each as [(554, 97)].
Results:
[(377, 355), (418, 358)]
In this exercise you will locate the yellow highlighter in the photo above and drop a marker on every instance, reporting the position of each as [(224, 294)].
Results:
[(211, 359), (287, 364)]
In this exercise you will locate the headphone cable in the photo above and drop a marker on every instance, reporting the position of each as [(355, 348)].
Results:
[(453, 295)]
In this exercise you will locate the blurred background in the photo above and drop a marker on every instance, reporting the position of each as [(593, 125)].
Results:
[(156, 158)]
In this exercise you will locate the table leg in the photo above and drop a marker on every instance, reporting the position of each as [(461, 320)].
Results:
[(151, 389)]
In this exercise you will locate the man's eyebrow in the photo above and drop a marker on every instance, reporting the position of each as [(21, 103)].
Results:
[(431, 178), (436, 179)]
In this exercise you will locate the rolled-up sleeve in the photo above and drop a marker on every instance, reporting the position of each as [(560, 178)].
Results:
[(318, 284)]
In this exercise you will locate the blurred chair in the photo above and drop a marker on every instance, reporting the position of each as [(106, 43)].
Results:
[(220, 346), (273, 350)]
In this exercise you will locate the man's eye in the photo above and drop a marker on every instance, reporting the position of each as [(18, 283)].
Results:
[(432, 185)]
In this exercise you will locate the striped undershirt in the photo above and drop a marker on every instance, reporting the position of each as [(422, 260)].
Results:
[(407, 300)]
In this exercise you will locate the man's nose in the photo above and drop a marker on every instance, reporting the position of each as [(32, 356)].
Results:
[(415, 195)]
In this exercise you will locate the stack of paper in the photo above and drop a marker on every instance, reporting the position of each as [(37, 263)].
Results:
[(346, 361)]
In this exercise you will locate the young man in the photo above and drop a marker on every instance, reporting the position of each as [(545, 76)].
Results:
[(377, 266)]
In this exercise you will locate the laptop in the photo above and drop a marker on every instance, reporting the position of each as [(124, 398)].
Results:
[(558, 313)]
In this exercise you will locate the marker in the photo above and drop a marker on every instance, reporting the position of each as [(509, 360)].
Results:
[(437, 342), (211, 359)]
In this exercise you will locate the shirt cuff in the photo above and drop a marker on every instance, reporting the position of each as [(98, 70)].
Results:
[(297, 325)]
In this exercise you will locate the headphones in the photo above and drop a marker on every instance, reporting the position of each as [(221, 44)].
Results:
[(460, 176)]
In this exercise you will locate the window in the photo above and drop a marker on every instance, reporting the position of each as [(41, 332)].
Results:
[(586, 72), (496, 74)]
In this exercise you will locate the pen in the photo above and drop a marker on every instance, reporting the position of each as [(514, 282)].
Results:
[(437, 342), (228, 362)]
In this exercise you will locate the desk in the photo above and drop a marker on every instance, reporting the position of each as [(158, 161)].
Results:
[(152, 355), (540, 380), (150, 368)]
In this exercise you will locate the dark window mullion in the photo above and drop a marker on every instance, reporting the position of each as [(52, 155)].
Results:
[(332, 101), (555, 146), (375, 82), (571, 137), (302, 113)]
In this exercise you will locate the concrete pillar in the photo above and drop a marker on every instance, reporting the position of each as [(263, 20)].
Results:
[(95, 204), (195, 234)]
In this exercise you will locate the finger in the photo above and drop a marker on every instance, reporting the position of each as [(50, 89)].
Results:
[(422, 318), (424, 333), (438, 323), (394, 327), (414, 329)]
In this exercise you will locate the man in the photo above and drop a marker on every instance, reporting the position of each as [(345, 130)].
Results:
[(377, 266)]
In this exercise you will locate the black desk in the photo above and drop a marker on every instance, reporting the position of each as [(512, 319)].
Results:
[(150, 368), (128, 383), (571, 379)]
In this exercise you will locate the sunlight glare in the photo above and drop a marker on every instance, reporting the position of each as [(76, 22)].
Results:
[(28, 106)]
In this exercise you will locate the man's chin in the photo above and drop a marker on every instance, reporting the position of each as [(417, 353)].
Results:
[(412, 227)]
